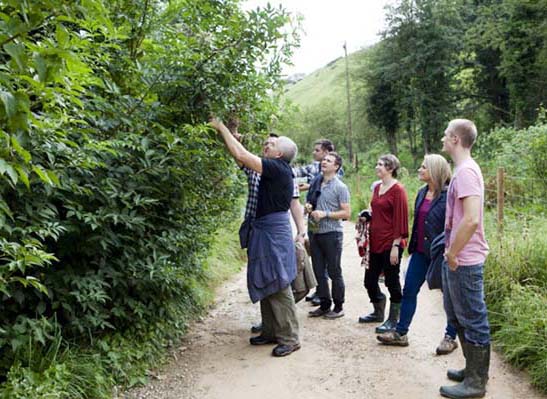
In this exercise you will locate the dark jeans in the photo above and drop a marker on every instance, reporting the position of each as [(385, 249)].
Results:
[(415, 278), (326, 254), (463, 296), (380, 263)]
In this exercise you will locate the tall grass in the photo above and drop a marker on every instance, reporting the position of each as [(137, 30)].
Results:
[(516, 292)]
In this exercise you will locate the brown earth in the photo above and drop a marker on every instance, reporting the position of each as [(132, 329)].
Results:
[(339, 358)]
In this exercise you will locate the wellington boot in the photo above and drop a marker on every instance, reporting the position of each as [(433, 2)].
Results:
[(378, 315), (455, 374), (477, 363), (391, 322)]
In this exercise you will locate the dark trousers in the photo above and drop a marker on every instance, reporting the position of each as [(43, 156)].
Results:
[(380, 263), (326, 254)]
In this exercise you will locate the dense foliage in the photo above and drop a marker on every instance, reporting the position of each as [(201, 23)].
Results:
[(111, 184), (484, 60)]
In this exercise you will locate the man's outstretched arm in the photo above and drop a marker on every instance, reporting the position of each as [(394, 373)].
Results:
[(236, 149)]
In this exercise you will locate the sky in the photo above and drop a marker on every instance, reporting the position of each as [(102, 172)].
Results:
[(327, 25)]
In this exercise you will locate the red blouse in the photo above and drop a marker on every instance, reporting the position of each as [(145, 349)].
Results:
[(389, 218)]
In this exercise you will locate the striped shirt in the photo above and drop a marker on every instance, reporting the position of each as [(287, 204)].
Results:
[(333, 194)]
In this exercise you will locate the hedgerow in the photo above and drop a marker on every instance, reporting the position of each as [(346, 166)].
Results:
[(111, 184)]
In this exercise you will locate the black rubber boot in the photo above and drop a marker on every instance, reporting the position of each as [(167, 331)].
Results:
[(391, 322), (454, 374), (477, 364), (378, 315)]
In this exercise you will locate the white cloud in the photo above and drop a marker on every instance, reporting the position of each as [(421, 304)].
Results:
[(327, 25)]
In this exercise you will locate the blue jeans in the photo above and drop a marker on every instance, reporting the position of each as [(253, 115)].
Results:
[(463, 296), (415, 278)]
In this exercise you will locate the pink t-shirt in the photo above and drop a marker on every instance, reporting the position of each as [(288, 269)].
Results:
[(466, 182)]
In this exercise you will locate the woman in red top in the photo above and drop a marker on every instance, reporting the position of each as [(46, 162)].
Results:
[(388, 230)]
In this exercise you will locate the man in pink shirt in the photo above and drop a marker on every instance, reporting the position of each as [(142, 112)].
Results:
[(466, 251)]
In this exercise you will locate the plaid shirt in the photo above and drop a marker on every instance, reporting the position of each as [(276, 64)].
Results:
[(311, 170), (253, 180), (308, 171)]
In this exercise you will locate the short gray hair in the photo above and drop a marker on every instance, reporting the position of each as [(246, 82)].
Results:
[(287, 147)]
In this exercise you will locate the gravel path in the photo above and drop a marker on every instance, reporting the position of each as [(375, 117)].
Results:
[(339, 358)]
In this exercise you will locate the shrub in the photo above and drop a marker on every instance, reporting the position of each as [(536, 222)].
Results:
[(111, 184)]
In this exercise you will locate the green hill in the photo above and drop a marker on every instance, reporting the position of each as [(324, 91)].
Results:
[(320, 109), (328, 82)]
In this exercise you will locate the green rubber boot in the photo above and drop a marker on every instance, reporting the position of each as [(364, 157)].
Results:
[(477, 364), (454, 374)]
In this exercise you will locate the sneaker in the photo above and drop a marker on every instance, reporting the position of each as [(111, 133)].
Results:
[(393, 338), (447, 345), (333, 314)]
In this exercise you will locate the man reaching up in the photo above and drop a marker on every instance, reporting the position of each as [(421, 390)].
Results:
[(271, 256)]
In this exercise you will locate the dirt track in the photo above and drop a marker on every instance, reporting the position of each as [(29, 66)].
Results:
[(339, 358)]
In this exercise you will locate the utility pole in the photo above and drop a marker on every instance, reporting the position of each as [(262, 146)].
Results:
[(350, 133)]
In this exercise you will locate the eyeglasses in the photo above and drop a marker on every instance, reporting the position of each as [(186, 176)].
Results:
[(380, 164)]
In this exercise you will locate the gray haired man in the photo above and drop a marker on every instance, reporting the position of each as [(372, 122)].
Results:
[(271, 255)]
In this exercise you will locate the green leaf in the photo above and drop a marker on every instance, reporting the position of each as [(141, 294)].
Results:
[(53, 177), (41, 174), (41, 67), (4, 207), (23, 175), (7, 168), (9, 103), (17, 52), (62, 36), (20, 150)]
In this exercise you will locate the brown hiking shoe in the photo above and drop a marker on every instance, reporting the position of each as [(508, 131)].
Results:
[(447, 345), (393, 338)]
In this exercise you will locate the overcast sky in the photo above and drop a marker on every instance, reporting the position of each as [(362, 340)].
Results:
[(327, 24)]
